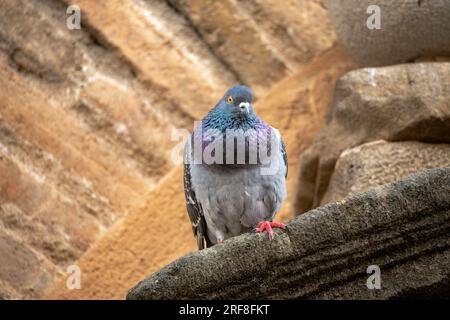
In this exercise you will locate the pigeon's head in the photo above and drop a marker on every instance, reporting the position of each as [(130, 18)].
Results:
[(239, 99), (237, 103), (233, 111)]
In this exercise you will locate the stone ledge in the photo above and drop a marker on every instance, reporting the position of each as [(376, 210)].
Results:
[(402, 227)]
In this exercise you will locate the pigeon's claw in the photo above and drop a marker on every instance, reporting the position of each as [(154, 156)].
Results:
[(278, 225), (268, 225)]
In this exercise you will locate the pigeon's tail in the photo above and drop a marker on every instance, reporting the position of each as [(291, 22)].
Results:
[(208, 242), (200, 241), (203, 241)]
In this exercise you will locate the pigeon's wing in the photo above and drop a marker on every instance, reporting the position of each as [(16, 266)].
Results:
[(284, 154), (282, 149), (194, 208)]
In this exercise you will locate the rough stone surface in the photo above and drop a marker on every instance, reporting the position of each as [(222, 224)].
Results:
[(379, 162), (410, 30), (403, 102), (402, 227), (24, 272), (260, 41)]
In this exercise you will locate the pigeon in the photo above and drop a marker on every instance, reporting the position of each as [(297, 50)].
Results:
[(235, 170)]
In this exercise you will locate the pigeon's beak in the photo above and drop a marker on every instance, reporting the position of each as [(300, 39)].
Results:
[(244, 107)]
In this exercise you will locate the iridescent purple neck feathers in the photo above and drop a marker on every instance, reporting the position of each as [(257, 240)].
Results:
[(233, 143), (232, 133)]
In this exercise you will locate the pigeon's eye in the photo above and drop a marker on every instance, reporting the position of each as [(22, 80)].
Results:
[(230, 99)]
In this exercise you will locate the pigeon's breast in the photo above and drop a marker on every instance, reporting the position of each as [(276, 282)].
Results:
[(236, 199)]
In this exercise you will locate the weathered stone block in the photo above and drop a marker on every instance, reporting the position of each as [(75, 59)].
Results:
[(401, 227)]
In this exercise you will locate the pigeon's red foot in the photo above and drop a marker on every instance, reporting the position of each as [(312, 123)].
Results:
[(268, 225)]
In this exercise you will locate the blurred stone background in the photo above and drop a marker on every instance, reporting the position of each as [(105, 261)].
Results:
[(87, 116)]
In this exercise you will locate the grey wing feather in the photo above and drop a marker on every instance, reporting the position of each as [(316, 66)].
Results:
[(194, 208), (284, 153)]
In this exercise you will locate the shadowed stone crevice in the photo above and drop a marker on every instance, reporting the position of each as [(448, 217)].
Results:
[(402, 227), (440, 291)]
